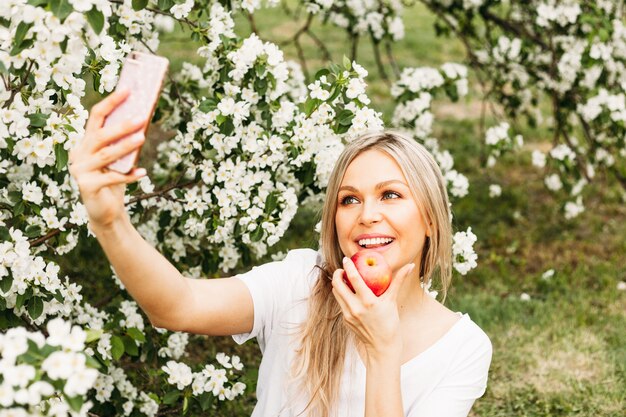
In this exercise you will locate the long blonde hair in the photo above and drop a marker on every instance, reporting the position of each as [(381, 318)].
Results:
[(319, 361)]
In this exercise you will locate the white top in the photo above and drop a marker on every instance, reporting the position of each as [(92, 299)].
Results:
[(443, 381)]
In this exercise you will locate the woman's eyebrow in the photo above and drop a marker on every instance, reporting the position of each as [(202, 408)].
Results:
[(377, 186)]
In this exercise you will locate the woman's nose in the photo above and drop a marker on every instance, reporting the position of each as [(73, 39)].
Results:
[(370, 213)]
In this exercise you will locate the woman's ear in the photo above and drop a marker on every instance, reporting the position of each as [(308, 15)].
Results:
[(428, 229)]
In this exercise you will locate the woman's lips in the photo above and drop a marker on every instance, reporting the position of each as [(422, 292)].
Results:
[(377, 249)]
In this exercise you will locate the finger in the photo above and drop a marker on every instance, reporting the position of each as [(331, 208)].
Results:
[(345, 310), (340, 285), (94, 182), (101, 110), (112, 153), (396, 283), (110, 134), (355, 279)]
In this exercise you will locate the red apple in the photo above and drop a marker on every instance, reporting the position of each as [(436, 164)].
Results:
[(373, 269)]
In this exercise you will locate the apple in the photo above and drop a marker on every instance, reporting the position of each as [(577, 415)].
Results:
[(374, 270)]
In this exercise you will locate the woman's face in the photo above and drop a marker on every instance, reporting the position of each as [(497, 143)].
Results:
[(376, 210)]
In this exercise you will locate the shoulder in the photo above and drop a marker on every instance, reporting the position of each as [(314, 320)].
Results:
[(463, 327), (306, 257)]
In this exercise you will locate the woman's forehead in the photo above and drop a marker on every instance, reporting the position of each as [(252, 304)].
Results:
[(372, 167)]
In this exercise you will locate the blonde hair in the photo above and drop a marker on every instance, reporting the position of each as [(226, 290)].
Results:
[(319, 361)]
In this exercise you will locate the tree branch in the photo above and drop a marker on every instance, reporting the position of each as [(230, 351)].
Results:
[(160, 193), (15, 91), (392, 59), (379, 62)]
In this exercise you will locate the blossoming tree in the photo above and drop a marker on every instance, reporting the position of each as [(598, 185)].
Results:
[(567, 55), (254, 141)]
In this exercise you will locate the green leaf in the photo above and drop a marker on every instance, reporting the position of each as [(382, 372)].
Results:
[(319, 74), (19, 48), (75, 402), (33, 231), (20, 300), (185, 405), (270, 203), (227, 127), (334, 94), (15, 196), (130, 346), (93, 334), (61, 156), (257, 234), (346, 63), (6, 282), (4, 232), (345, 117), (208, 105), (20, 32), (136, 334), (38, 119), (165, 218), (61, 8), (139, 4), (205, 401), (18, 208), (96, 19), (171, 397), (117, 347), (165, 5), (92, 362), (37, 2), (310, 105), (35, 307)]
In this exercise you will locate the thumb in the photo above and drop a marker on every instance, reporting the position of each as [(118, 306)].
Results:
[(398, 280)]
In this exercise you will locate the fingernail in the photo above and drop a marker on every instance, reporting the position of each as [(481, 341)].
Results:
[(138, 138), (141, 172), (345, 259), (411, 268)]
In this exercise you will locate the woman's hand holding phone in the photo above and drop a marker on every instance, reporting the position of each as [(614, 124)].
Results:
[(102, 190)]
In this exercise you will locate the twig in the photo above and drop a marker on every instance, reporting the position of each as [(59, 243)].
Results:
[(104, 301), (16, 90), (379, 62), (354, 46), (160, 193), (392, 59), (519, 31), (324, 50), (253, 27)]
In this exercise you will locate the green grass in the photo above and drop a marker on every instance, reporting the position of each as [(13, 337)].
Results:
[(563, 352)]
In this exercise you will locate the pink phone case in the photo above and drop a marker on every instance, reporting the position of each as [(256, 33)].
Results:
[(143, 75)]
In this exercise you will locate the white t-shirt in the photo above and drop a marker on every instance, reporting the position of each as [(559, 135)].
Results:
[(442, 381)]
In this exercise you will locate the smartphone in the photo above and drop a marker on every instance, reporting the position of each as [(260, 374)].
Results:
[(143, 74)]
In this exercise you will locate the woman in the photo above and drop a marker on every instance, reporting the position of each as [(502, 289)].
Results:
[(326, 349)]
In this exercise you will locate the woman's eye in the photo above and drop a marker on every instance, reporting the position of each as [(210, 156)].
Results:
[(387, 195), (348, 200)]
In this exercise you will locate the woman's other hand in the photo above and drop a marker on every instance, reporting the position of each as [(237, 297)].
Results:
[(374, 320), (102, 190)]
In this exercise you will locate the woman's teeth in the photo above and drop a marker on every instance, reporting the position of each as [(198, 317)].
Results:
[(378, 241)]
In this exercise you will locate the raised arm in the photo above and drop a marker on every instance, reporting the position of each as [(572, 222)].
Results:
[(214, 306)]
